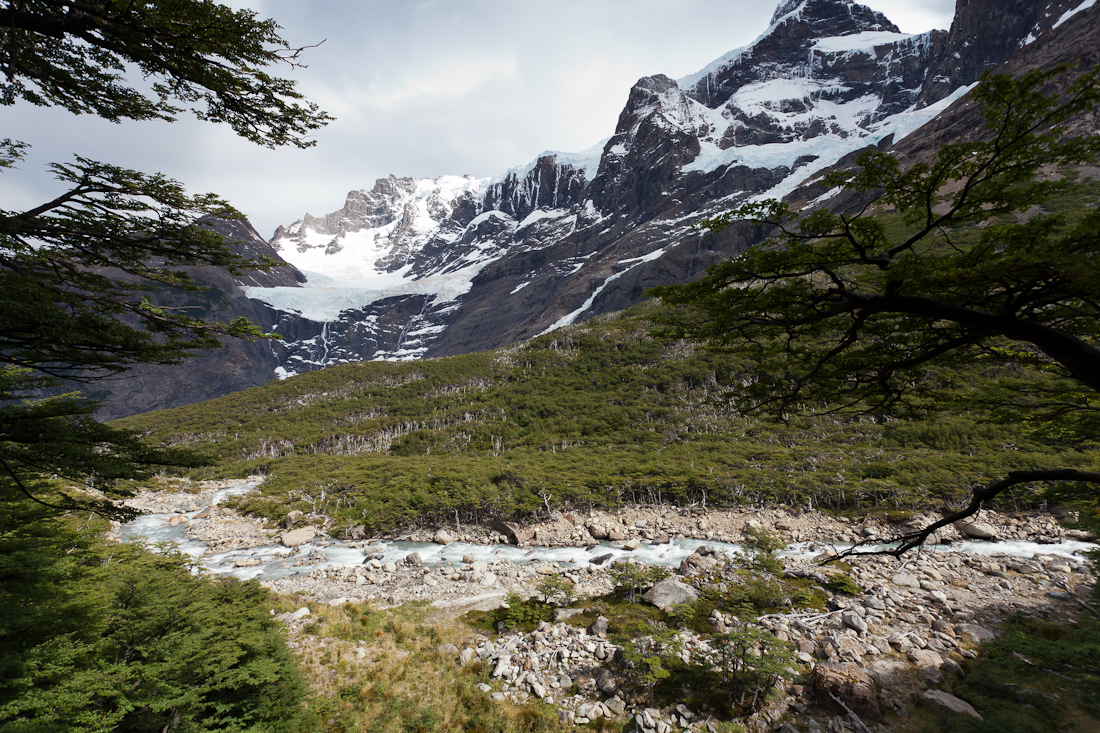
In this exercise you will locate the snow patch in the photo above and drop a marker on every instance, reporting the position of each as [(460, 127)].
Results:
[(864, 41), (587, 161), (1070, 13)]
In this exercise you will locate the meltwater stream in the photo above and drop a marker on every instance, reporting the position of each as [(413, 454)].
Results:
[(276, 561)]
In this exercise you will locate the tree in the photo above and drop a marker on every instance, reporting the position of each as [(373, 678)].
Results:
[(80, 274), (974, 258)]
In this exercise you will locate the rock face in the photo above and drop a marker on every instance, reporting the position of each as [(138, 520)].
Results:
[(848, 683), (426, 268), (976, 530)]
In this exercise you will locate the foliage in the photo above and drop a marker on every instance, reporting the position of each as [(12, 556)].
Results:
[(1035, 677), (645, 657), (842, 583), (553, 586), (522, 613), (203, 54), (102, 637), (496, 428), (761, 546), (751, 662), (80, 274), (844, 313), (632, 579)]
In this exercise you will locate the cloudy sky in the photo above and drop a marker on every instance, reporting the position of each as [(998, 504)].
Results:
[(421, 88)]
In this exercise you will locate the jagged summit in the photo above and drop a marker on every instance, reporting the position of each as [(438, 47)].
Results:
[(414, 268)]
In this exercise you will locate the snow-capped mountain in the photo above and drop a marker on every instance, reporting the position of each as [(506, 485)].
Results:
[(421, 268)]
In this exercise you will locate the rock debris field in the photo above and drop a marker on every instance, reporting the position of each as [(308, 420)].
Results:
[(916, 619)]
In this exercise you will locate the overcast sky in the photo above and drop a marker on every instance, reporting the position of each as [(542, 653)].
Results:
[(421, 88)]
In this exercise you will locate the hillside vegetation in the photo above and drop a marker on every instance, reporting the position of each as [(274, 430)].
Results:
[(593, 415)]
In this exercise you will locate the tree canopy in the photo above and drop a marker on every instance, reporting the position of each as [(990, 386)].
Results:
[(80, 274), (986, 254), (207, 56)]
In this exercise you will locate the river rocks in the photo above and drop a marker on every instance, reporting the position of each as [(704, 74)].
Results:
[(976, 530), (293, 517), (413, 559), (952, 703), (632, 545), (516, 534), (670, 592), (296, 537), (442, 537), (848, 683)]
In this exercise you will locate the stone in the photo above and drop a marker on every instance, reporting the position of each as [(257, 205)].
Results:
[(670, 592), (925, 658), (616, 706), (598, 531), (952, 703), (296, 537), (976, 530), (973, 633), (356, 532), (853, 621), (605, 683), (598, 627), (479, 566), (443, 537), (413, 559), (449, 650), (564, 614), (601, 559), (246, 562), (466, 656), (905, 580), (488, 580), (390, 567), (850, 684), (300, 613), (468, 558), (515, 534), (632, 545), (293, 517), (930, 676)]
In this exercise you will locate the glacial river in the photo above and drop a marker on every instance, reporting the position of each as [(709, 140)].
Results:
[(276, 561)]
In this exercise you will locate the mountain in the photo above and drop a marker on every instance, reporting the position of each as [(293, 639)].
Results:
[(417, 268)]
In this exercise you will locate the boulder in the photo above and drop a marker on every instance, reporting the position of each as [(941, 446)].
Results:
[(515, 534), (853, 620), (670, 592), (598, 627), (601, 559), (449, 650), (691, 565), (598, 531), (905, 580), (952, 703), (293, 518), (357, 532), (443, 537), (413, 558), (850, 684), (976, 530), (925, 658), (632, 545), (466, 656), (973, 633), (296, 537), (605, 683)]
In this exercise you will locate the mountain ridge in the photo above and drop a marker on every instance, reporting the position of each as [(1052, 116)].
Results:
[(424, 268)]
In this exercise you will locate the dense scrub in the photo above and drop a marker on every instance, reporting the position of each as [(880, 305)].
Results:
[(594, 415), (102, 637)]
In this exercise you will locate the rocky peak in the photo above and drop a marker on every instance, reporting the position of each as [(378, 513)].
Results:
[(984, 33)]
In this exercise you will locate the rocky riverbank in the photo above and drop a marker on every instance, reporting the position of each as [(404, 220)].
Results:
[(914, 620)]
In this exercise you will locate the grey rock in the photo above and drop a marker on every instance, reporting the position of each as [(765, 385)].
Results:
[(670, 592), (466, 656), (952, 703), (853, 621), (413, 559), (605, 683), (598, 627), (905, 580), (296, 537), (973, 633), (976, 530), (293, 517), (449, 650), (925, 658)]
